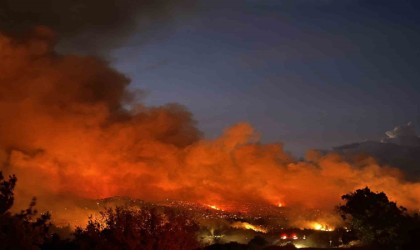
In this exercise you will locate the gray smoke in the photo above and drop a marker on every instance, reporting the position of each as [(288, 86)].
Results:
[(88, 26)]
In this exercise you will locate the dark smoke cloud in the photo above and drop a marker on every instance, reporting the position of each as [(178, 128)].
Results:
[(87, 25)]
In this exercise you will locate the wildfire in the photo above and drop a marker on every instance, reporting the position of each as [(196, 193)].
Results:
[(248, 226), (215, 207), (281, 204), (320, 226), (79, 122)]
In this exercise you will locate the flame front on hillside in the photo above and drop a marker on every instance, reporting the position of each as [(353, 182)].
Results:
[(215, 207), (246, 225), (320, 226)]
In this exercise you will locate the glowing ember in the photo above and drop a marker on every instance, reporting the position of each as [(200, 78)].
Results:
[(214, 207), (281, 204), (246, 225)]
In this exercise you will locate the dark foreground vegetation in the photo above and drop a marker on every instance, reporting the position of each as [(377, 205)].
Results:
[(119, 228), (372, 222)]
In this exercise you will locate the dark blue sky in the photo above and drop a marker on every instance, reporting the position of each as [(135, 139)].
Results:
[(308, 73)]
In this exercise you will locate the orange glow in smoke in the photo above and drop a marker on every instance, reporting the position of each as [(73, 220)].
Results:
[(72, 120)]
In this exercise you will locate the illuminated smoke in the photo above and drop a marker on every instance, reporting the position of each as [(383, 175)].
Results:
[(65, 130), (71, 130)]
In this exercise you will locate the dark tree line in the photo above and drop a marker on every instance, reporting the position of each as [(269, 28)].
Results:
[(378, 222), (372, 219), (149, 228), (22, 230)]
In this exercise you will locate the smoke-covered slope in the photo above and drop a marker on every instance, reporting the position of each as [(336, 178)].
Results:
[(400, 149)]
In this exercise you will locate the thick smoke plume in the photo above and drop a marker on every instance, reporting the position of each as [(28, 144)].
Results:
[(71, 130), (89, 26)]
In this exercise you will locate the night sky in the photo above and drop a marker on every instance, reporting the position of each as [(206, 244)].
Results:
[(307, 73)]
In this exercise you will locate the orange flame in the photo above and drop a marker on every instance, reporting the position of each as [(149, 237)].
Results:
[(320, 226), (281, 204), (248, 226), (214, 207)]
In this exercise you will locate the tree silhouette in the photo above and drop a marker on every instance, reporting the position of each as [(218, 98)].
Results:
[(21, 230), (377, 221), (258, 242), (6, 193), (133, 228)]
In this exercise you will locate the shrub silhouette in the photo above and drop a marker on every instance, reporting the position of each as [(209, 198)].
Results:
[(133, 228), (22, 230), (378, 222)]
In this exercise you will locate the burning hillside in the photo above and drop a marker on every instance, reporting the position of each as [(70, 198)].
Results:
[(72, 131)]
